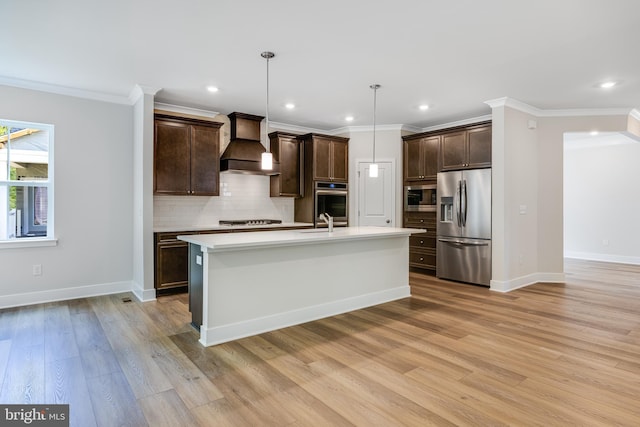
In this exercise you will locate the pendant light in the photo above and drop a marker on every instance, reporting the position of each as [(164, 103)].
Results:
[(373, 168), (267, 157)]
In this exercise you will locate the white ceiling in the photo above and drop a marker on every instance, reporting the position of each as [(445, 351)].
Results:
[(452, 55)]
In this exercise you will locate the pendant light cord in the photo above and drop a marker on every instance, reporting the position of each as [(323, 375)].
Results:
[(375, 88)]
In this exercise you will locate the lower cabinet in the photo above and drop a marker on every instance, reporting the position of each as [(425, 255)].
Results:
[(171, 261), (422, 247)]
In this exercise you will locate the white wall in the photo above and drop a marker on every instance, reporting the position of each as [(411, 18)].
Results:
[(93, 200), (515, 199), (388, 147), (528, 170), (601, 202)]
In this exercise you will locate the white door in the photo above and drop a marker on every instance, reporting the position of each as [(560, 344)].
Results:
[(376, 196)]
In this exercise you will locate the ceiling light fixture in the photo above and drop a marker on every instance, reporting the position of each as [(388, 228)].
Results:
[(423, 107), (212, 89), (349, 118), (373, 168), (607, 85), (267, 157), (289, 106)]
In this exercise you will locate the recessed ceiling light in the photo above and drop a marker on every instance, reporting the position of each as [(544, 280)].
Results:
[(423, 107), (349, 118), (289, 106), (607, 85), (593, 133), (212, 89)]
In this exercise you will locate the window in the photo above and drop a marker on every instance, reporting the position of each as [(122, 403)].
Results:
[(26, 181)]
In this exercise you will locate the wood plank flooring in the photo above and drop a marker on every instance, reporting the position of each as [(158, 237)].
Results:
[(452, 354)]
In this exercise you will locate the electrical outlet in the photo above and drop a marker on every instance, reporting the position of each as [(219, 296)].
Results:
[(37, 269), (605, 242)]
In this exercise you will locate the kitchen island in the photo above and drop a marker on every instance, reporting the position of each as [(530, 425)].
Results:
[(247, 283)]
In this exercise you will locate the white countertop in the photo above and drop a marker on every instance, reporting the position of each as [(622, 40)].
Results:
[(174, 229), (265, 239)]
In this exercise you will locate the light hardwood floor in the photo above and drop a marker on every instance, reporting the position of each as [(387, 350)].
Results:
[(452, 354)]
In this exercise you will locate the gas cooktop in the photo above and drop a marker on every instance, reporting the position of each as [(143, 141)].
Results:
[(249, 221)]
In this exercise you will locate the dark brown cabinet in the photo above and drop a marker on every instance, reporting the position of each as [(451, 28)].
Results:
[(422, 247), (466, 149), (171, 261), (286, 149), (328, 155), (186, 156), (421, 158)]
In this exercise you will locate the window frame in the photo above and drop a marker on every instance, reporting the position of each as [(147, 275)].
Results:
[(29, 185)]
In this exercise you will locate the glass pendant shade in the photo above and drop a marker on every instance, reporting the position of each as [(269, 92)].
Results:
[(373, 170), (267, 161)]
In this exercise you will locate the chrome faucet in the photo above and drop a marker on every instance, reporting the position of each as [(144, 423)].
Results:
[(327, 219)]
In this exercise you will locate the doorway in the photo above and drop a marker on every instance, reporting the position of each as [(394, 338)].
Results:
[(376, 196)]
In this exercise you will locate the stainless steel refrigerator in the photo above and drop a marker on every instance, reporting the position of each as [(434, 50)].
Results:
[(464, 226)]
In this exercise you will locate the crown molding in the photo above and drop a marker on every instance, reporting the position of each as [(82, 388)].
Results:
[(296, 129), (139, 91), (412, 129), (63, 90), (463, 122), (184, 110), (368, 128), (577, 112)]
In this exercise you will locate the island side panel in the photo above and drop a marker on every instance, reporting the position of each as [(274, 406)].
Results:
[(196, 280), (261, 289)]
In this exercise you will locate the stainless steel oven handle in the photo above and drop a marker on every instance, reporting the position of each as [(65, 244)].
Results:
[(333, 192)]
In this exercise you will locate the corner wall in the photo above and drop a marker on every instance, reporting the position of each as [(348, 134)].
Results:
[(93, 201)]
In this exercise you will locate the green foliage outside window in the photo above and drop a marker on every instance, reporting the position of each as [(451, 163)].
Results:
[(13, 191)]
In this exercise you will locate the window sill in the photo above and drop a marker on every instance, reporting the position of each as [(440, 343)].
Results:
[(34, 242)]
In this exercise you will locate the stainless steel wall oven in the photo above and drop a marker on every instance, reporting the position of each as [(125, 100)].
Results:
[(331, 198)]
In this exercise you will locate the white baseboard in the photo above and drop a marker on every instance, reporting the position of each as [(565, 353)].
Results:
[(40, 297), (143, 295), (529, 279), (218, 335), (619, 259)]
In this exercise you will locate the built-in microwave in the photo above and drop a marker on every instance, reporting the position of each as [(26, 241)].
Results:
[(420, 197)]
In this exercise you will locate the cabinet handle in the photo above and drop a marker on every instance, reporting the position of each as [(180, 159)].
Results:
[(421, 242), (422, 220), (421, 259)]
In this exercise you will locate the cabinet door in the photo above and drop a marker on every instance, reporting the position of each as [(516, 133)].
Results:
[(453, 151), (413, 160), (171, 169), (340, 161), (322, 159), (172, 264), (430, 151), (205, 160), (479, 142), (287, 153)]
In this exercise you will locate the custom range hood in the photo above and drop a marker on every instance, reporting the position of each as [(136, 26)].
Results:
[(243, 154)]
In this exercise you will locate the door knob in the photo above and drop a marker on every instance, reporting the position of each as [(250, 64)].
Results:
[(388, 221)]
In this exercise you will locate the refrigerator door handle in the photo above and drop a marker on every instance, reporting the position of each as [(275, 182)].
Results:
[(463, 203), (456, 204)]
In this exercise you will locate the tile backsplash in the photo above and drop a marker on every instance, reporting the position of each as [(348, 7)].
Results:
[(241, 197)]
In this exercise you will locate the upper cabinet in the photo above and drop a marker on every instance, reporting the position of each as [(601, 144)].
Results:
[(421, 158), (286, 149), (186, 156), (469, 148), (328, 157)]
